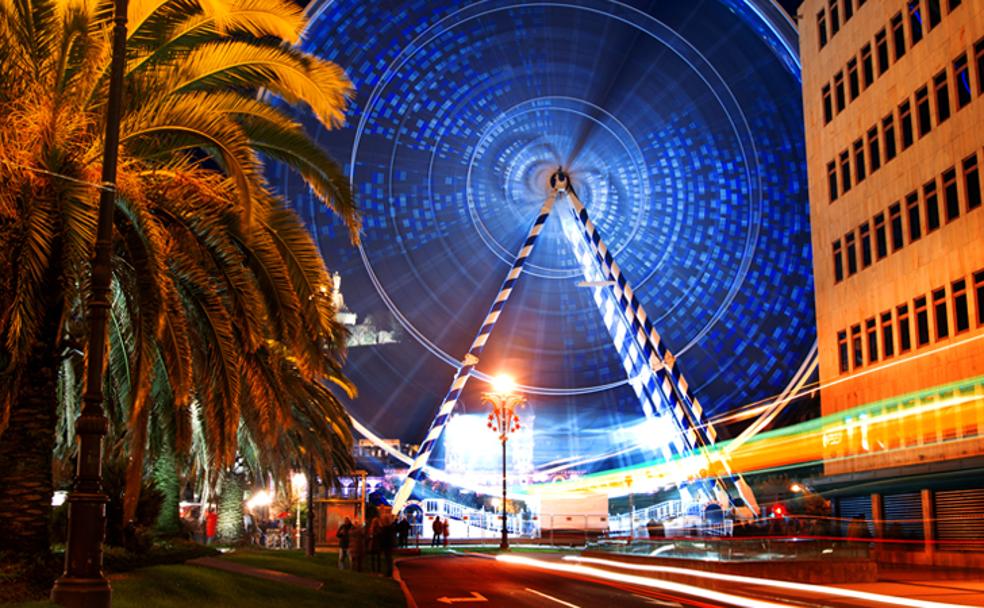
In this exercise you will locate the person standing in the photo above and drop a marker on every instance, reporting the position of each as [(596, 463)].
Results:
[(438, 529), (403, 532), (357, 545), (373, 542), (343, 535), (387, 541), (445, 530), (211, 525)]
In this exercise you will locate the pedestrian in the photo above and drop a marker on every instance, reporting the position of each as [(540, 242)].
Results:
[(387, 541), (357, 545), (403, 531), (445, 530), (211, 525), (373, 541), (343, 535), (655, 529), (438, 529)]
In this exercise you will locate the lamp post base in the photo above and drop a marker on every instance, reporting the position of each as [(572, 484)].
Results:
[(82, 592)]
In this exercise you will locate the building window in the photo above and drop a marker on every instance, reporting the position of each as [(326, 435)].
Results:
[(859, 166), (867, 66), (881, 47), (961, 315), (832, 181), (932, 206), (972, 182), (874, 152), (828, 108), (940, 314), (857, 354), (922, 110), (888, 132), (822, 27), (935, 13), (865, 239), (835, 25), (951, 202), (905, 120), (898, 36), (961, 76), (915, 217), (842, 351), (881, 236), (871, 333), (952, 4), (852, 256), (839, 91), (888, 340), (942, 89), (905, 336), (845, 162), (922, 320), (848, 9), (895, 220), (915, 21), (979, 55), (853, 80), (838, 262), (979, 295)]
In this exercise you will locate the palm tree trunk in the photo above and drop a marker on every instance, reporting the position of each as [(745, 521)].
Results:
[(231, 508), (26, 452), (135, 464), (169, 485)]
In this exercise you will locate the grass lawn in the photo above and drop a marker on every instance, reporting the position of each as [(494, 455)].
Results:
[(182, 585)]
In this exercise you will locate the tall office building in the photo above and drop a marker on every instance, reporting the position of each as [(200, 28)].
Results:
[(894, 107)]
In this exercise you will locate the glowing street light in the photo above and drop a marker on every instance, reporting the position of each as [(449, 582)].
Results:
[(504, 400)]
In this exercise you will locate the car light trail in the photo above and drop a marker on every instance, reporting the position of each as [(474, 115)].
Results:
[(853, 594), (642, 581)]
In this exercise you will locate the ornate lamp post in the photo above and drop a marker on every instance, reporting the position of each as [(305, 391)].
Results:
[(503, 419)]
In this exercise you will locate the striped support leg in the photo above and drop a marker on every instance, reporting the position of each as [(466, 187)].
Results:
[(416, 471)]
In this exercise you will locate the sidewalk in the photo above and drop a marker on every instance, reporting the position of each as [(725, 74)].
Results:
[(927, 584)]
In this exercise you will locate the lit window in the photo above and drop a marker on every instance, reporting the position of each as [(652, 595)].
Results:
[(942, 89), (972, 182), (922, 109), (915, 217), (881, 236), (871, 333), (961, 315), (881, 46), (888, 132), (842, 351), (828, 108), (922, 320), (845, 164), (951, 202), (915, 21), (853, 80), (857, 354), (852, 256), (939, 314), (838, 262), (859, 166), (905, 336), (822, 27), (905, 120), (865, 239), (867, 66), (832, 181), (874, 152), (895, 220), (961, 76), (898, 36), (932, 206), (888, 340)]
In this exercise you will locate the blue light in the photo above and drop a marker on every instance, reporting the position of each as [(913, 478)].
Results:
[(687, 124)]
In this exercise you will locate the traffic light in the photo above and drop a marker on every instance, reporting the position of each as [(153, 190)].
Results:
[(778, 511)]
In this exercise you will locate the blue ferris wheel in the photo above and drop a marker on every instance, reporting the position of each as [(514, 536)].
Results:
[(680, 127)]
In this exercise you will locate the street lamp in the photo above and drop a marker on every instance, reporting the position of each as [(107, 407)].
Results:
[(504, 400)]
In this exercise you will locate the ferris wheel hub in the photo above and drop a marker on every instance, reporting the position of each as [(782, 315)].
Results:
[(559, 182)]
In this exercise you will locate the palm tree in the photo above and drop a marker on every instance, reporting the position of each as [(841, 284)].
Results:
[(193, 131)]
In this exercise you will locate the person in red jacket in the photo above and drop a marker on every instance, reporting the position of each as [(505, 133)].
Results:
[(211, 525)]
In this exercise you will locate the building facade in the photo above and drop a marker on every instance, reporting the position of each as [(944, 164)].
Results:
[(893, 95)]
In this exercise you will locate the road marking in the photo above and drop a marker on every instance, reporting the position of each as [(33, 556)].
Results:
[(550, 597), (653, 600), (474, 597)]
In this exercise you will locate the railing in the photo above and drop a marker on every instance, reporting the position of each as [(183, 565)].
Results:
[(635, 521), (485, 520)]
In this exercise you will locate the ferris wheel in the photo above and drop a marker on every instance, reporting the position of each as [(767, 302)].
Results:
[(680, 128)]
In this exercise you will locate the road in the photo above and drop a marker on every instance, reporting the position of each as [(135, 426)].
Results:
[(468, 581)]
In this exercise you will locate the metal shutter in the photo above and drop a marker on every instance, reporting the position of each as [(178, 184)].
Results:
[(850, 506), (903, 513), (960, 515)]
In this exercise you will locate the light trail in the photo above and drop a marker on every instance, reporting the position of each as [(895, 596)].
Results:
[(892, 600), (642, 581)]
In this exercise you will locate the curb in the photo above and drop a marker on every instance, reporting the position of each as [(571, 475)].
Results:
[(411, 603)]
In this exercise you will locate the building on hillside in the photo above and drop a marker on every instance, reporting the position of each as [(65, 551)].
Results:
[(893, 96)]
